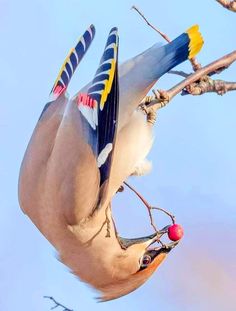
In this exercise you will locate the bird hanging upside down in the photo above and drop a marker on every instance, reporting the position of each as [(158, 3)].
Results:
[(81, 152)]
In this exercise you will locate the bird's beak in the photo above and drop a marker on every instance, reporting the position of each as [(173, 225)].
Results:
[(148, 240), (165, 248)]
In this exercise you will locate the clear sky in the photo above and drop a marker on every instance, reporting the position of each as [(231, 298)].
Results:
[(194, 155)]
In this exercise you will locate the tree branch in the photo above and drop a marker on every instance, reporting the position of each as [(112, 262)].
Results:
[(230, 5), (57, 304), (208, 85), (197, 83)]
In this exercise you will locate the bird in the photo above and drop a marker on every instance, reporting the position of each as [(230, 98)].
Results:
[(82, 150)]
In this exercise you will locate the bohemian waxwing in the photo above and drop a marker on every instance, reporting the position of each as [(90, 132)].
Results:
[(81, 152)]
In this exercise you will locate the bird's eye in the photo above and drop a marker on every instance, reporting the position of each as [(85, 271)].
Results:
[(146, 260)]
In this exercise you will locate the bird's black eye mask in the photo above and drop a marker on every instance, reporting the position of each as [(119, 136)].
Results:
[(150, 255)]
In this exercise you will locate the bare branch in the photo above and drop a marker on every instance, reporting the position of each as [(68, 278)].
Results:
[(149, 207), (57, 304), (162, 98), (230, 5), (145, 203), (217, 71), (224, 61), (149, 24)]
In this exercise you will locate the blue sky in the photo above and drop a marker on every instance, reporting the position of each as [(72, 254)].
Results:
[(194, 155)]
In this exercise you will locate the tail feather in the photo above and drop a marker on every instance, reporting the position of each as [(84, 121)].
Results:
[(184, 47), (196, 41)]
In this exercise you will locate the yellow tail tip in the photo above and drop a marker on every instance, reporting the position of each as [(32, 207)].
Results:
[(196, 41)]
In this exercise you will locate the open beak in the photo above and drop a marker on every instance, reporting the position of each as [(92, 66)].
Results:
[(150, 239), (166, 248)]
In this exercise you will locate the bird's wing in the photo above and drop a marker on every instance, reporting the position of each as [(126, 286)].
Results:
[(41, 145), (69, 67), (99, 110), (72, 61), (81, 158)]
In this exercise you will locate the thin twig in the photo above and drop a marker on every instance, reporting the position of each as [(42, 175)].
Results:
[(145, 203), (164, 36), (164, 211), (57, 304), (179, 73), (229, 5), (149, 207)]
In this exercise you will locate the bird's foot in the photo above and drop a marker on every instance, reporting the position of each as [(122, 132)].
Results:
[(162, 98), (151, 115), (150, 104), (150, 112)]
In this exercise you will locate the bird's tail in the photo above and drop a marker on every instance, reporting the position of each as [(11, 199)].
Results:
[(184, 47)]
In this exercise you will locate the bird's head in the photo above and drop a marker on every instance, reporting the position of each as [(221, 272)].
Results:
[(138, 262), (113, 265)]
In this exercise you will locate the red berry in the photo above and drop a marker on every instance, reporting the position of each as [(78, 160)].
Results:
[(175, 232)]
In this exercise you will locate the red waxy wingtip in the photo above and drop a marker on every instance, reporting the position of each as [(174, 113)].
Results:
[(86, 100)]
